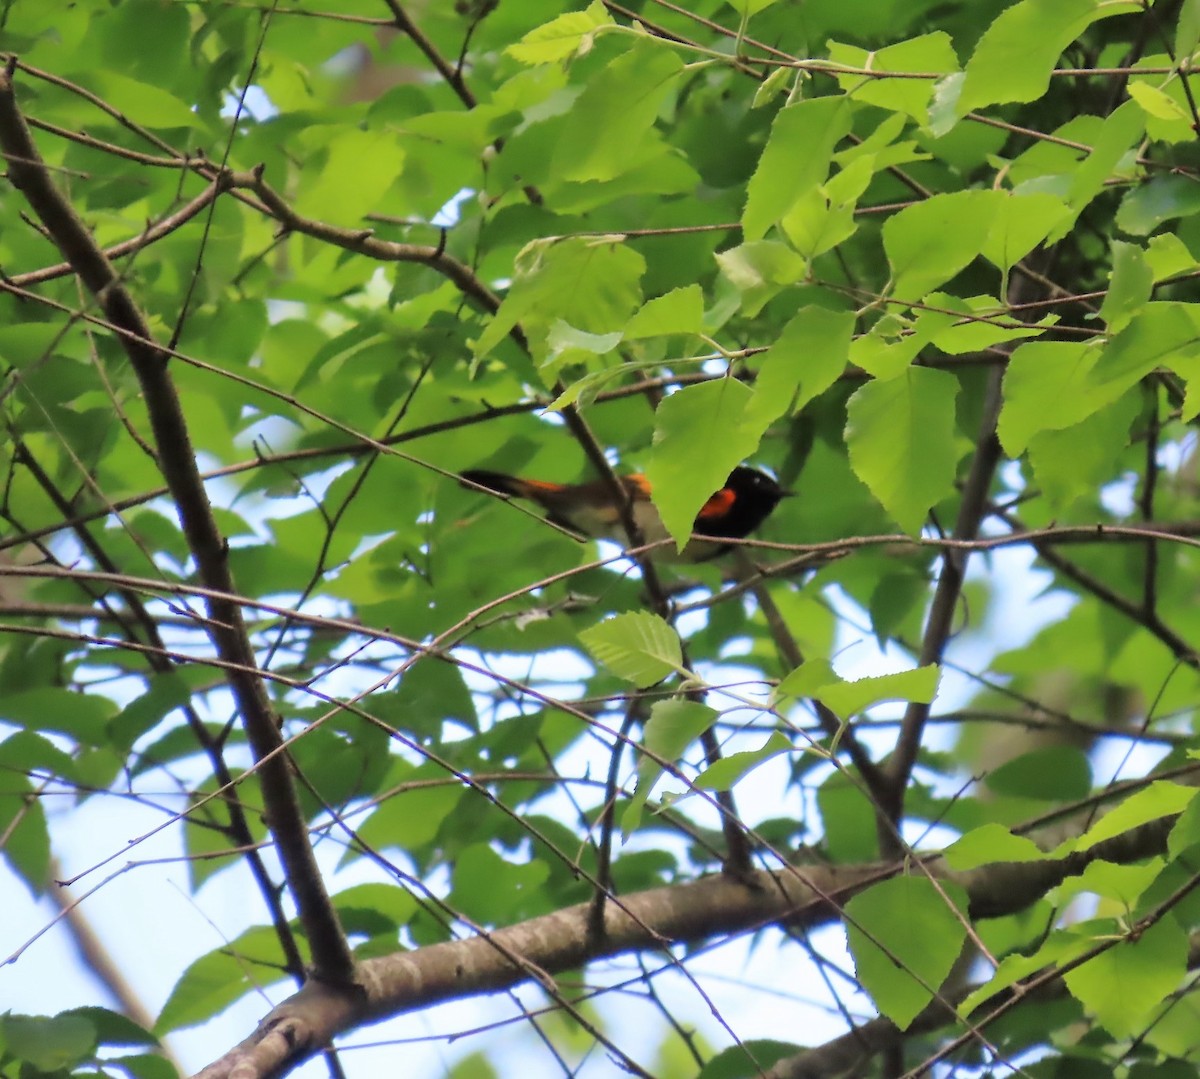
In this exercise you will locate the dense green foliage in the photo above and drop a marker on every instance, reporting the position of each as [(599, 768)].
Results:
[(933, 264)]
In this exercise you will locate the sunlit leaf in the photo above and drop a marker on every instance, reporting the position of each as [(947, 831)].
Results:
[(687, 464), (929, 242), (900, 434), (1014, 58), (640, 648), (795, 159), (562, 36), (1122, 986), (990, 843)]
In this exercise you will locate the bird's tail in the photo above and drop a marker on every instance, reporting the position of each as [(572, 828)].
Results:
[(499, 482), (512, 486)]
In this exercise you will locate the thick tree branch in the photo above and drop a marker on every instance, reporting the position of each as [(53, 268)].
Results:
[(453, 77), (331, 953), (685, 913)]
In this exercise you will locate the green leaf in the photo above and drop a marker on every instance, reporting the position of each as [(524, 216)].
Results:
[(795, 159), (803, 362), (25, 751), (1129, 285), (886, 352), (351, 179), (113, 1028), (943, 110), (492, 890), (1060, 947), (431, 692), (759, 270), (1123, 884), (1022, 222), (615, 114), (254, 960), (1116, 143), (897, 599), (929, 242), (81, 716), (988, 844), (848, 820), (816, 678), (591, 284), (1053, 773), (1167, 255), (1187, 29), (1014, 58), (973, 332), (749, 7), (1186, 832), (807, 680), (1123, 986), (905, 937), (376, 904), (747, 1059), (48, 1043), (152, 105), (166, 692), (571, 34), (679, 311), (730, 769), (1167, 108), (1163, 198), (900, 435), (930, 53), (772, 86), (850, 698), (28, 342), (146, 1066), (1161, 334), (687, 464), (673, 725), (565, 343), (1073, 463), (821, 219), (1156, 103), (1046, 388), (413, 817), (583, 390), (638, 647), (122, 28), (1160, 799)]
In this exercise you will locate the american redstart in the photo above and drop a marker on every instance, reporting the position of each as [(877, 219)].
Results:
[(591, 510)]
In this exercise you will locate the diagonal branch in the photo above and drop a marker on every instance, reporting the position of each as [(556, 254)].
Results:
[(331, 953), (428, 49)]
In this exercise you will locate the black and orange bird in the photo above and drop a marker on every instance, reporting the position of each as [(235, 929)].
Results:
[(591, 509)]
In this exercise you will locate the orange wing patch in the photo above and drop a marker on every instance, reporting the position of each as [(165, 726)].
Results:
[(717, 506), (639, 486)]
